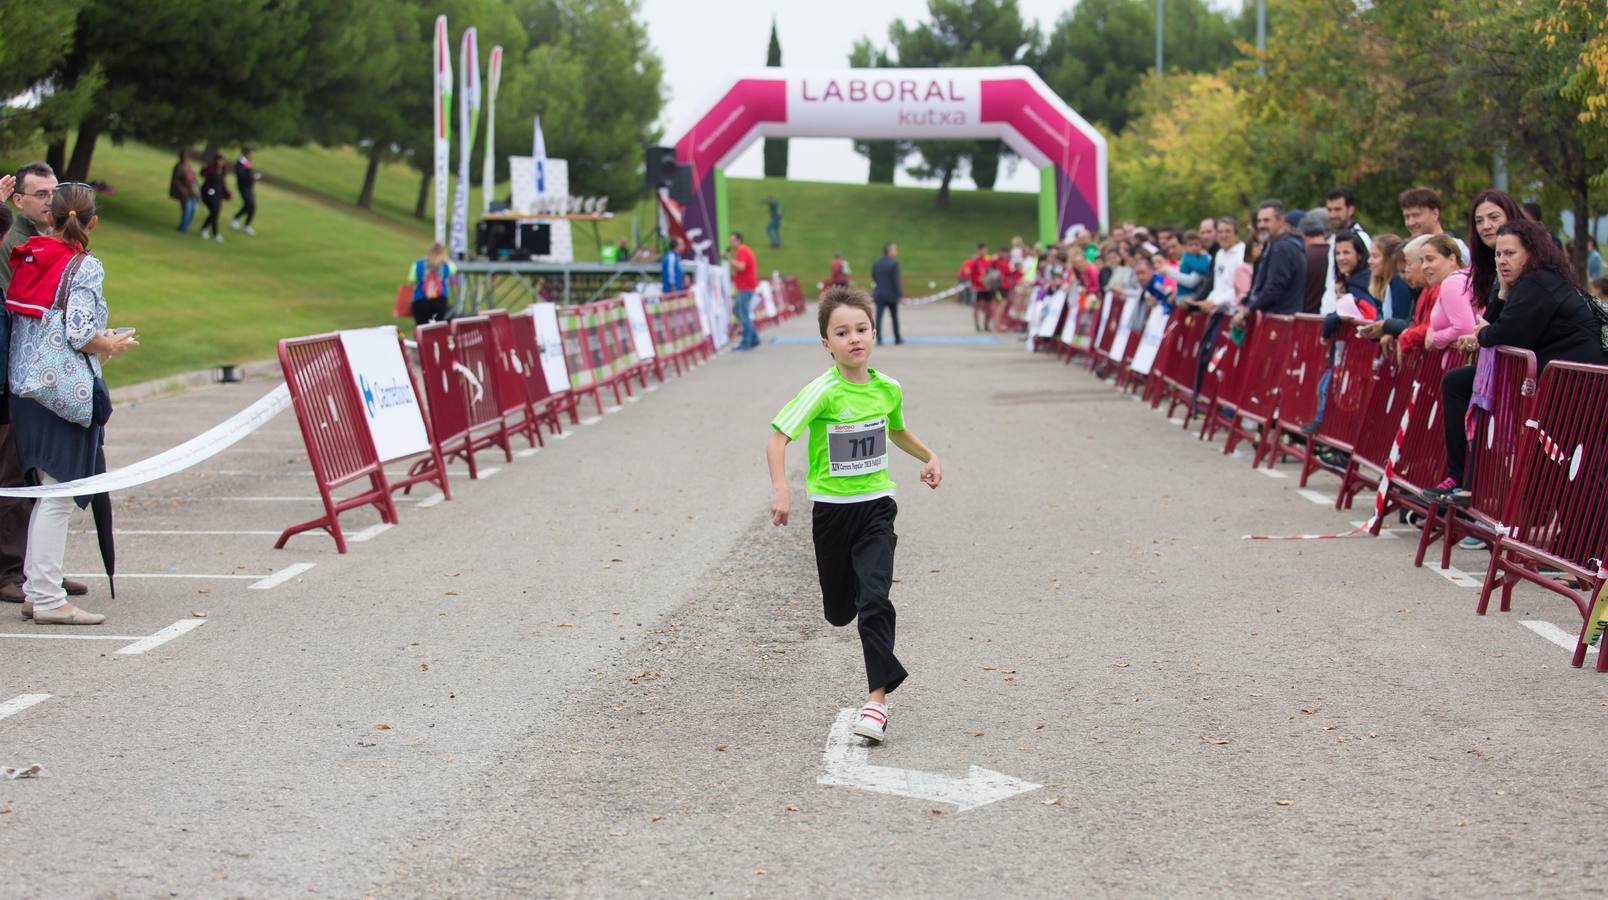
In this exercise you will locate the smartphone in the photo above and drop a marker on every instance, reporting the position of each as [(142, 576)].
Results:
[(122, 331)]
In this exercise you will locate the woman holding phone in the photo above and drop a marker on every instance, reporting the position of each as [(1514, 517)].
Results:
[(65, 296)]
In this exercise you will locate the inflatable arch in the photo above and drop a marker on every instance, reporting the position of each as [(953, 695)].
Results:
[(1010, 103)]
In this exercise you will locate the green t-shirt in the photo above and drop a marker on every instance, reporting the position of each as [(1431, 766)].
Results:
[(848, 425)]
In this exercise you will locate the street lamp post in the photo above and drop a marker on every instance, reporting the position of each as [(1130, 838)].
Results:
[(1158, 37)]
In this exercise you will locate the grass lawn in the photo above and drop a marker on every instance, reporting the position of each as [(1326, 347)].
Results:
[(318, 263)]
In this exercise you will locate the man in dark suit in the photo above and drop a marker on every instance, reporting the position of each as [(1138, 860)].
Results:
[(887, 288)]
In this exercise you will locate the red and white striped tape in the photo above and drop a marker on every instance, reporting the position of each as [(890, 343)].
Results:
[(1548, 446)]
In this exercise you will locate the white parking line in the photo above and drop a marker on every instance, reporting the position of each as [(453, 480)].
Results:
[(21, 702), (563, 434), (280, 577), (1555, 634), (1316, 497), (487, 473), (613, 409), (651, 388), (183, 626), (1271, 473), (1457, 576), (369, 533), (432, 500), (527, 453), (591, 420), (632, 399)]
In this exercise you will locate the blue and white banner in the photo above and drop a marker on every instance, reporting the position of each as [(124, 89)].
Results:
[(395, 417)]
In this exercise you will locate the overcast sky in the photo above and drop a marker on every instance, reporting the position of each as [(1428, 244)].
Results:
[(703, 42)]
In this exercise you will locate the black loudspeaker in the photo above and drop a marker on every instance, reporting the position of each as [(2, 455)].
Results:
[(659, 166), (681, 185), (494, 239), (535, 239)]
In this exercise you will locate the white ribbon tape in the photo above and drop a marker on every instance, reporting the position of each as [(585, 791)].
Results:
[(922, 301), (196, 450)]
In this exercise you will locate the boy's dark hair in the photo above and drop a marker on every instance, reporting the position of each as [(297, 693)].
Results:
[(1420, 198), (1601, 284), (34, 168), (843, 295), (1191, 236)]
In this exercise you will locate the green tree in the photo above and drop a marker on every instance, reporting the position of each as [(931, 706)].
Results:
[(884, 156), (33, 45), (1097, 52), (1186, 157), (963, 33), (775, 148)]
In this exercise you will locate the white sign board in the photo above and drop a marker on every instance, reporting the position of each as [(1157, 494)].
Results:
[(1130, 306), (641, 335), (1144, 356), (1074, 315), (522, 172), (555, 371), (764, 297), (1050, 313), (712, 287), (380, 375)]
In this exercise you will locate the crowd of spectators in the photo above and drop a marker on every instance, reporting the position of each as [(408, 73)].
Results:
[(1506, 281)]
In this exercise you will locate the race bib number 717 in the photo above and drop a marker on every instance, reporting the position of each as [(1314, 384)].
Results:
[(858, 448)]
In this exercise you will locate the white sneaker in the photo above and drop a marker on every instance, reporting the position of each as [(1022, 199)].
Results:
[(218, 237), (206, 234), (873, 723), (235, 224), (249, 230)]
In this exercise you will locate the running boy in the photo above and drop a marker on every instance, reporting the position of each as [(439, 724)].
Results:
[(852, 412)]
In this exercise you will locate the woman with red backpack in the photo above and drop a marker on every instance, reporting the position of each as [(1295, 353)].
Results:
[(59, 403), (429, 277)]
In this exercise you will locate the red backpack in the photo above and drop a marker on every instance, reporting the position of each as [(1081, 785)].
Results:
[(37, 265)]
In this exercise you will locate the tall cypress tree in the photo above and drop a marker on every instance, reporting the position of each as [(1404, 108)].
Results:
[(775, 148)]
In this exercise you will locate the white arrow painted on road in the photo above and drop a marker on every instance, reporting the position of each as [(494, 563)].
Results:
[(479, 390), (847, 764)]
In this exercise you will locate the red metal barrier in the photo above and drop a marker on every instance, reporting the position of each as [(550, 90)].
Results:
[(481, 388), (1493, 453), (335, 432), (1298, 389), (429, 468), (1558, 516), (1223, 372), (1252, 393), (450, 384), (513, 400), (1110, 323), (1182, 348), (548, 406), (1423, 452), (1362, 389), (586, 349)]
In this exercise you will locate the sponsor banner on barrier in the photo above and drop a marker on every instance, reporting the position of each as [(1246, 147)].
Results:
[(1124, 329), (713, 289), (555, 371), (1150, 341), (380, 375), (641, 335), (764, 306), (1050, 314), (196, 450)]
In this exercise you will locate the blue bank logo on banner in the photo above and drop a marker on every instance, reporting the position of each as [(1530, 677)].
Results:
[(378, 397)]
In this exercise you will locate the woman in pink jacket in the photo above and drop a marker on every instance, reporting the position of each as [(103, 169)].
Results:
[(1453, 316)]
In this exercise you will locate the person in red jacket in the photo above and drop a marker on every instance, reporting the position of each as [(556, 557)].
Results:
[(984, 286)]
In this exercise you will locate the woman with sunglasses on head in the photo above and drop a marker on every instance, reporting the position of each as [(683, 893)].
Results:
[(57, 294)]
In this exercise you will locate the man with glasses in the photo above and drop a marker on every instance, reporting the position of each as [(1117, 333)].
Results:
[(35, 187)]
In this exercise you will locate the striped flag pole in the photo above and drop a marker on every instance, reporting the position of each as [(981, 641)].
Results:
[(468, 119), (488, 170), (443, 126)]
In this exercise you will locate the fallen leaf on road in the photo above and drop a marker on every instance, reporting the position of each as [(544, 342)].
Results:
[(1040, 728), (616, 834), (1216, 740), (203, 590), (381, 726), (616, 559), (654, 818), (566, 624), (1477, 754), (1284, 802), (196, 613), (1307, 711), (452, 593), (937, 812), (1461, 823), (1096, 552), (424, 667), (1120, 665), (1054, 802), (756, 871), (790, 807), (722, 747), (977, 734), (4, 811)]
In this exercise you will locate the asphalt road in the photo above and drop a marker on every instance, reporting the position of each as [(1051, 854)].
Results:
[(600, 672)]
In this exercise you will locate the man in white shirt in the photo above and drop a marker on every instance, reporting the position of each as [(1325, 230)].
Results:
[(1341, 205), (1223, 299)]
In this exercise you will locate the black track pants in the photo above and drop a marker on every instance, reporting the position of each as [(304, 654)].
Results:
[(854, 555)]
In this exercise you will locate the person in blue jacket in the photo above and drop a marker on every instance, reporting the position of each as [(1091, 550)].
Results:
[(671, 278)]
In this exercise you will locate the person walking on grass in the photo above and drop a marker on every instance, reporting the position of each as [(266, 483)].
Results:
[(182, 187), (214, 190), (246, 180), (851, 412)]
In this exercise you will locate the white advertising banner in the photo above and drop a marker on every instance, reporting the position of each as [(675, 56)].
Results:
[(551, 342), (1150, 341), (1069, 331), (1050, 313), (712, 286), (1130, 306), (523, 196), (764, 300), (395, 417), (641, 335)]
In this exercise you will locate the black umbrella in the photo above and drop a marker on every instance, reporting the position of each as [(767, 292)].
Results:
[(101, 506)]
